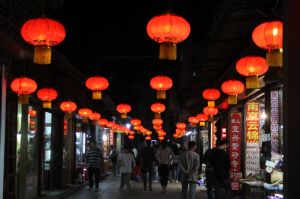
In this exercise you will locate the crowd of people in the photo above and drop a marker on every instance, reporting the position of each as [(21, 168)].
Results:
[(166, 162)]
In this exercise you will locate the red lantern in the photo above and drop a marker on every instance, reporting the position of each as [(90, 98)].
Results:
[(97, 84), (232, 88), (157, 121), (168, 30), (157, 127), (123, 109), (252, 67), (68, 107), (102, 122), (43, 33), (161, 84), (148, 137), (85, 113), (193, 120), (203, 118), (210, 111), (157, 108), (95, 117), (224, 105), (47, 95), (23, 86), (161, 138), (110, 124), (32, 113), (135, 123), (269, 36), (180, 125), (211, 94)]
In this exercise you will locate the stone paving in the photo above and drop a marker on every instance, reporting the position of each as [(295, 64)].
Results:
[(109, 189)]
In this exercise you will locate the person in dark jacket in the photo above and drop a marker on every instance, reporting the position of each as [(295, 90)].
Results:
[(209, 174), (147, 157), (220, 162)]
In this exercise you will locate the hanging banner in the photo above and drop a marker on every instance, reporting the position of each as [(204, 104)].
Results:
[(252, 138), (235, 149), (275, 121)]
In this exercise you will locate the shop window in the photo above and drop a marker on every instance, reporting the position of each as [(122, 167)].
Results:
[(47, 140)]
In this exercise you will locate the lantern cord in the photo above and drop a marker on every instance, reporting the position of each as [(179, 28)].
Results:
[(43, 5), (169, 6)]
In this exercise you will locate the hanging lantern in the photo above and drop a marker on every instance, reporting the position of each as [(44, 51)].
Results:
[(148, 137), (43, 33), (135, 122), (269, 36), (211, 94), (210, 111), (157, 127), (158, 108), (157, 121), (180, 125), (68, 107), (123, 109), (97, 84), (131, 137), (23, 86), (85, 113), (161, 84), (168, 30), (110, 124), (193, 120), (224, 105), (232, 88), (203, 117), (252, 67), (102, 122), (32, 113), (94, 117), (161, 138), (47, 95)]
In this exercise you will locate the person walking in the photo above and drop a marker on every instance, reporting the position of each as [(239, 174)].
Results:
[(209, 174), (220, 162), (126, 162), (164, 157), (147, 158), (189, 162), (94, 159)]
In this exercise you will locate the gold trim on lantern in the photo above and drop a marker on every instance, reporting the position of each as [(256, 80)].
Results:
[(232, 99), (157, 115), (23, 99), (252, 82), (202, 123), (96, 95), (168, 51), (274, 58), (42, 54), (123, 115), (211, 103), (47, 104), (161, 95)]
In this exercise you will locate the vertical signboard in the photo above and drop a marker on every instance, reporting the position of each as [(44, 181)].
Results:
[(235, 149), (213, 138), (275, 121), (252, 138)]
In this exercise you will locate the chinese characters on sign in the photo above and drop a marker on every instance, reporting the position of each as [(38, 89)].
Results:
[(252, 138), (274, 121), (213, 138), (111, 137), (235, 149)]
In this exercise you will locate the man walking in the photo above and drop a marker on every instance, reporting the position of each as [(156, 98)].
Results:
[(95, 156), (126, 162), (189, 163)]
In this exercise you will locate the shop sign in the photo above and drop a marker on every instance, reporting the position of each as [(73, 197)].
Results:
[(235, 149), (274, 121), (111, 137), (252, 138)]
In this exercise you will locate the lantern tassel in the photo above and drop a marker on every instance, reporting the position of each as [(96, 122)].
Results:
[(47, 104), (157, 115), (167, 51), (123, 115), (23, 99), (42, 54), (96, 95), (232, 99), (274, 58), (211, 103), (161, 95), (202, 123), (252, 82)]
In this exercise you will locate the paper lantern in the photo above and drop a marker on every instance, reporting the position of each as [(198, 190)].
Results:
[(269, 36), (161, 138), (203, 118), (131, 137), (148, 137), (157, 121), (43, 33), (94, 117), (158, 108), (135, 122), (211, 94), (157, 127), (252, 67), (210, 111), (110, 124), (224, 105), (68, 107), (168, 30), (180, 125), (102, 122), (47, 95), (193, 120), (123, 109), (23, 86), (97, 84), (161, 83), (85, 113), (232, 88)]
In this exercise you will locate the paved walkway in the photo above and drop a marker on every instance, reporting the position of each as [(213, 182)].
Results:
[(109, 190)]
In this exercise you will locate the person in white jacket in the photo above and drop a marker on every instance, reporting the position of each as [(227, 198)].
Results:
[(189, 163), (126, 162)]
